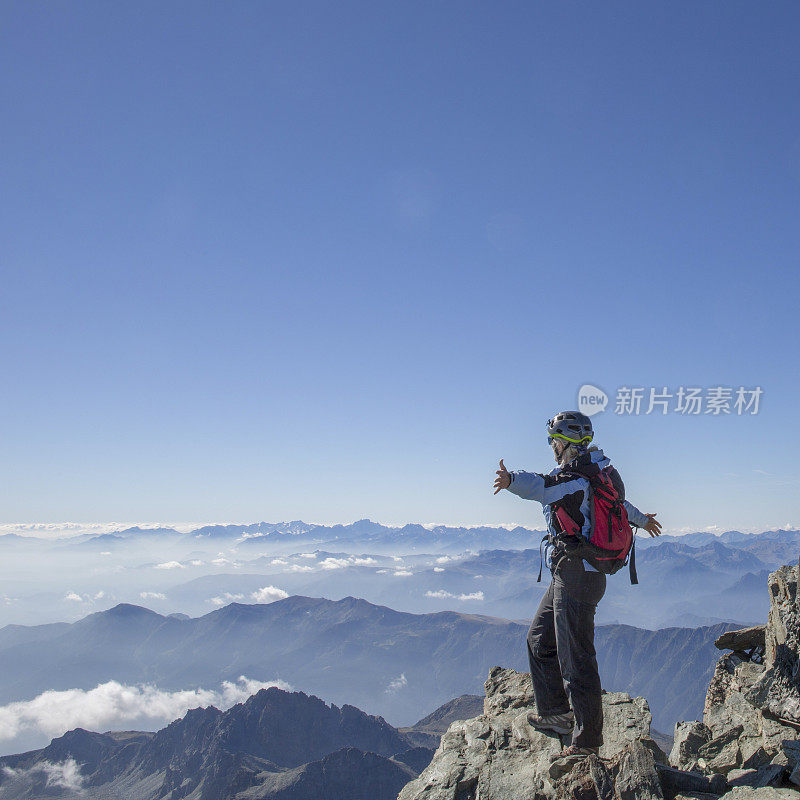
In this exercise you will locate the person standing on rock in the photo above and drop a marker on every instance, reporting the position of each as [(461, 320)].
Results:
[(561, 653)]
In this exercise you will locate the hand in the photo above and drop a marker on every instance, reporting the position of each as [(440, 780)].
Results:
[(503, 479), (653, 527)]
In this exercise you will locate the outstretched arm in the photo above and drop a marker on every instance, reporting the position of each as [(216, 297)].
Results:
[(533, 486), (646, 521)]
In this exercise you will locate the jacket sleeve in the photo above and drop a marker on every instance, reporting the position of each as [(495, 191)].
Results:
[(635, 517), (534, 486)]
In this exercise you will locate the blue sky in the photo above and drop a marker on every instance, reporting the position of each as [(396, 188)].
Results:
[(327, 261)]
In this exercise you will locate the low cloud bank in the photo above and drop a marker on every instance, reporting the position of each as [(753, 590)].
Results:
[(113, 705)]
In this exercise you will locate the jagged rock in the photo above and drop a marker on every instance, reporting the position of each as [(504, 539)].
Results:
[(689, 738), (762, 699), (498, 756), (768, 775), (676, 782), (728, 707), (760, 758), (507, 689), (792, 752), (791, 758), (783, 621), (589, 779), (777, 690), (744, 639), (722, 753), (634, 774), (627, 719)]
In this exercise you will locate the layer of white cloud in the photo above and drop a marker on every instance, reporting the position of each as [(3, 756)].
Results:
[(334, 563), (170, 565), (268, 594), (116, 706), (441, 594), (402, 573)]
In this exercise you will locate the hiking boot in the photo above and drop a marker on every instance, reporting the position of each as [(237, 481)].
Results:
[(558, 723)]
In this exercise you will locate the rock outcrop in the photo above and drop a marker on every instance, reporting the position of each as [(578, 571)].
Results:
[(498, 756), (747, 746), (751, 720)]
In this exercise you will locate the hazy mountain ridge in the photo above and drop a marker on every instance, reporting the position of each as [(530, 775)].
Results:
[(387, 662)]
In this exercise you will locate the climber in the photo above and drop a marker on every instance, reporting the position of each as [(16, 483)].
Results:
[(561, 653)]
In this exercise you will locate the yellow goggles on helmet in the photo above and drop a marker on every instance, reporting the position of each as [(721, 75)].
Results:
[(584, 440)]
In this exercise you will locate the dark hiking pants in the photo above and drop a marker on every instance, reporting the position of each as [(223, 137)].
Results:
[(561, 650)]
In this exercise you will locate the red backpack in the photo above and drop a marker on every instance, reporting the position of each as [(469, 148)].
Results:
[(611, 538)]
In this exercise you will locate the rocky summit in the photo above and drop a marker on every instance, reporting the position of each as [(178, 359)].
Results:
[(747, 746)]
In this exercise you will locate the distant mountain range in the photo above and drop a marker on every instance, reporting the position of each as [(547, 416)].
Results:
[(364, 532), (275, 746), (395, 664), (694, 579), (410, 537)]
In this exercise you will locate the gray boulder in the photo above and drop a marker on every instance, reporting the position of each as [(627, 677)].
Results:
[(742, 640)]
